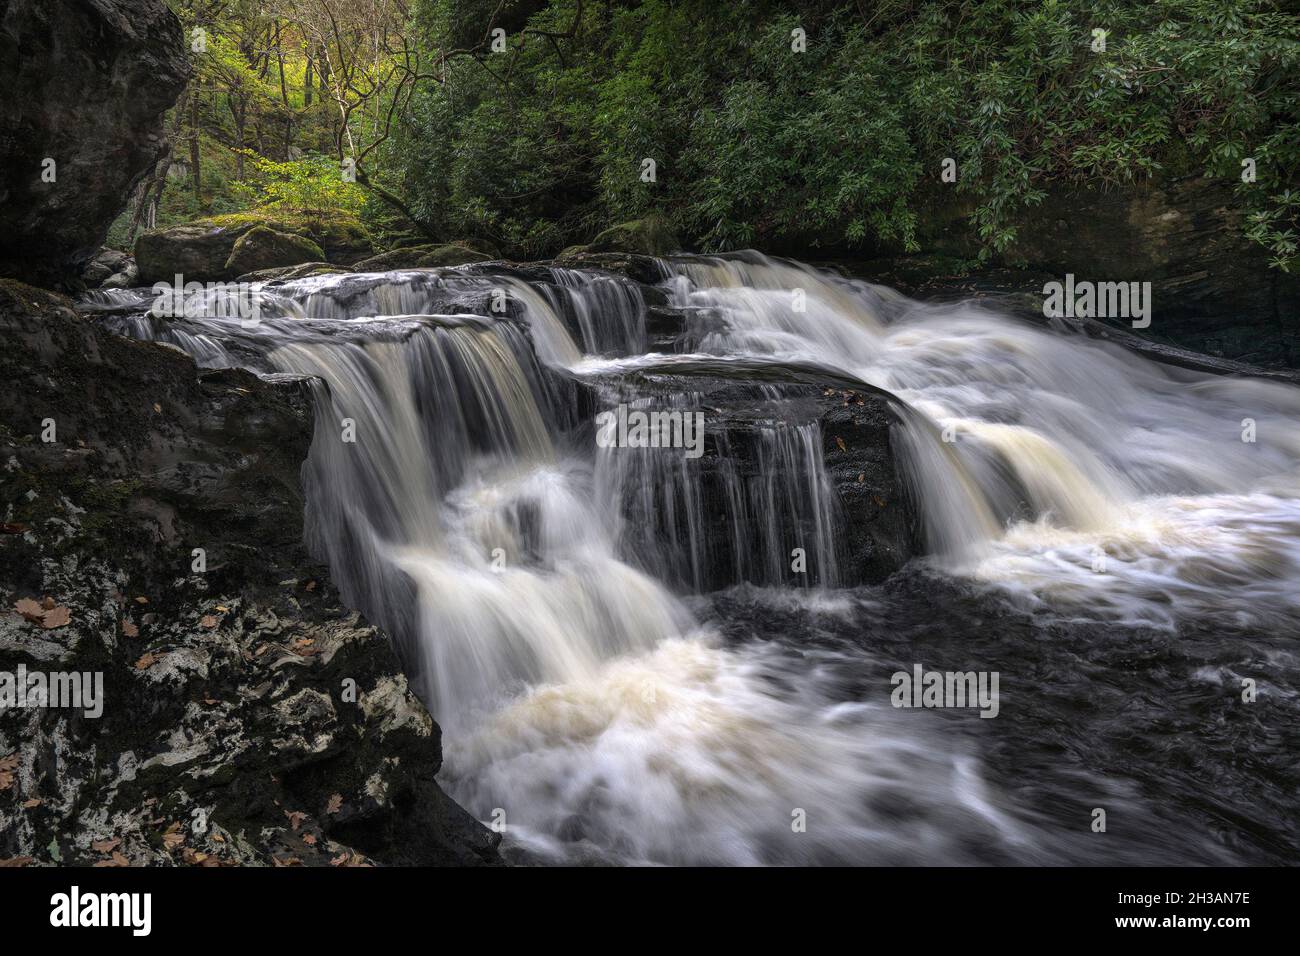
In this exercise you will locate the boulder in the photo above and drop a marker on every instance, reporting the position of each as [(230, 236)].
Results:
[(265, 248), (201, 250), (198, 252), (128, 278), (105, 264), (650, 236), (85, 88)]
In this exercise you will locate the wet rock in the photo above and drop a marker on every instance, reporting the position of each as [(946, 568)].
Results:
[(640, 268), (791, 457), (86, 86), (248, 716)]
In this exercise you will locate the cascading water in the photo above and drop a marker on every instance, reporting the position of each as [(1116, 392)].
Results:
[(539, 587)]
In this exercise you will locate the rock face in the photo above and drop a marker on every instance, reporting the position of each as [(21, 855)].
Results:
[(85, 85), (247, 716), (790, 458)]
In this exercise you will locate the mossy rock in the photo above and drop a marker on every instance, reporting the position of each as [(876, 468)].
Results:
[(343, 239), (650, 236), (264, 248)]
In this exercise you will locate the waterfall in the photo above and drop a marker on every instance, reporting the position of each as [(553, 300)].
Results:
[(543, 590)]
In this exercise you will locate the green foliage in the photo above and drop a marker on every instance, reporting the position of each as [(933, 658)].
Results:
[(313, 185), (839, 146)]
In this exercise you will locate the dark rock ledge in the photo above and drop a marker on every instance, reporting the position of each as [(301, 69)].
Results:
[(227, 733)]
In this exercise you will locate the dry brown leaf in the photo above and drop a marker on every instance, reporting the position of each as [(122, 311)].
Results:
[(208, 621), (56, 617), (222, 608), (295, 818), (105, 846), (7, 767), (157, 408), (33, 802), (340, 860), (287, 861), (129, 629), (16, 861), (840, 442), (309, 839), (30, 609), (218, 838), (335, 804), (141, 600), (146, 661)]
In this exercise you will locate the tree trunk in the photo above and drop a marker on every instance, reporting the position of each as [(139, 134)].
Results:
[(195, 170)]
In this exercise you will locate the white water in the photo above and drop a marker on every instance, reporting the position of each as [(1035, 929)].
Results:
[(581, 697), (1132, 468)]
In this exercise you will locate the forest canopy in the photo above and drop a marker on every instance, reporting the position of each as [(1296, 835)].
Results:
[(530, 124)]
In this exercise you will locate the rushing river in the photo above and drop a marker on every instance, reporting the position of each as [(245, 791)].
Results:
[(1097, 532)]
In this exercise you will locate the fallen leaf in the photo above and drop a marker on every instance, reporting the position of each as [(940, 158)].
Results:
[(335, 804), (146, 661), (840, 442), (287, 861), (142, 600), (47, 602), (30, 609), (157, 408), (173, 837), (105, 846), (7, 767), (16, 861), (309, 839), (222, 608), (208, 621), (33, 802), (339, 860), (129, 629), (218, 838), (295, 818), (56, 617)]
